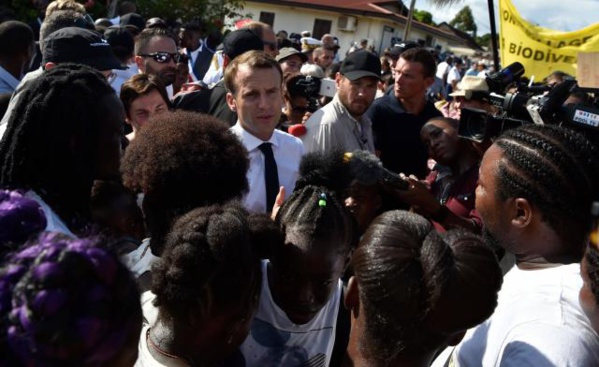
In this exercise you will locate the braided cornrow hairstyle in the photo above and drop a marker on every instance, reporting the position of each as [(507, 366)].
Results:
[(317, 204), (211, 261), (592, 259), (66, 302), (51, 136), (557, 170), (417, 286)]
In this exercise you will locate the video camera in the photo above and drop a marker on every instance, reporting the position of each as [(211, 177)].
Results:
[(312, 88), (527, 105)]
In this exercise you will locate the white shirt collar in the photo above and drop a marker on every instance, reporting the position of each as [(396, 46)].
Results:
[(250, 141)]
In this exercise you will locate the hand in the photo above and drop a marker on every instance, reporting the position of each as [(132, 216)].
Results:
[(278, 202), (418, 196), (306, 117)]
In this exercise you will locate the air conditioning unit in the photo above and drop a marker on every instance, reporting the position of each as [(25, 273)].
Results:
[(347, 23)]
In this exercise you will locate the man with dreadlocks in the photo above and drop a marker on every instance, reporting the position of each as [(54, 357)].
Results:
[(536, 187), (65, 133)]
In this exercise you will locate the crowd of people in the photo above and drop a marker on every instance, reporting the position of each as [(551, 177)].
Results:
[(180, 197)]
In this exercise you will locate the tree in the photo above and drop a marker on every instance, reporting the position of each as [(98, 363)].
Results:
[(212, 11), (464, 21), (484, 40), (423, 16), (437, 3)]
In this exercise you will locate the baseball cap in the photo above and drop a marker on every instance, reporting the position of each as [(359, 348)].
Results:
[(133, 19), (81, 46), (286, 52), (121, 40), (360, 64), (472, 87), (241, 41), (397, 50)]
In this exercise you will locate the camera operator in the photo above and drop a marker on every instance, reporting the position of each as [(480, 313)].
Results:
[(299, 99), (473, 92)]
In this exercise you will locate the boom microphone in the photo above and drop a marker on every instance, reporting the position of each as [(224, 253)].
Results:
[(368, 170)]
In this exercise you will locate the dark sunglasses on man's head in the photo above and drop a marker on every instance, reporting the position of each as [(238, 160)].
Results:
[(163, 57)]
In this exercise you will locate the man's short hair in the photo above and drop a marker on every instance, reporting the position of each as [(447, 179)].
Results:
[(144, 38), (61, 19), (254, 60), (65, 5), (257, 27), (15, 38), (422, 56)]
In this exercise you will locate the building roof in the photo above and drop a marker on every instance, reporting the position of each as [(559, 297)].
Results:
[(384, 9)]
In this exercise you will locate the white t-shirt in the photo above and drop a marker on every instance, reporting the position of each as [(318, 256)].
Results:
[(145, 359), (53, 222), (276, 341), (140, 260), (538, 322), (454, 75)]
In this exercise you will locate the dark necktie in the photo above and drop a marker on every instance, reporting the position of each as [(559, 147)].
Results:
[(271, 175)]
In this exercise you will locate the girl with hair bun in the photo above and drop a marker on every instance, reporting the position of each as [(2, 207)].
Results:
[(296, 321), (415, 291), (206, 286), (66, 302)]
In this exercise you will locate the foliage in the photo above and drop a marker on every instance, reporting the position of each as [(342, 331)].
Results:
[(210, 11), (28, 10), (423, 16), (464, 21), (441, 3), (484, 40)]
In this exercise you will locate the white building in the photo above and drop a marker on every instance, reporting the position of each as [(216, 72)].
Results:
[(379, 21)]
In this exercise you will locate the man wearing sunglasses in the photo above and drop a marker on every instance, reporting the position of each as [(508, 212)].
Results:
[(156, 54)]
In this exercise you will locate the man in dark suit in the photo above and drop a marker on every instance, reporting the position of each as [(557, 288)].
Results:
[(198, 52)]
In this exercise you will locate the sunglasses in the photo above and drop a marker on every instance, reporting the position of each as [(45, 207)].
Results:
[(163, 57), (272, 45)]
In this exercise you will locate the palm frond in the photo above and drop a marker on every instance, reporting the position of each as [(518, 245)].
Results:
[(442, 3)]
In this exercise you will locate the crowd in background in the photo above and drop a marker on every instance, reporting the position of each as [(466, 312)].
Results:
[(177, 196)]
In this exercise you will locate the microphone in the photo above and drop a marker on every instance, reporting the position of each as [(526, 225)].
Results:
[(297, 130), (368, 170)]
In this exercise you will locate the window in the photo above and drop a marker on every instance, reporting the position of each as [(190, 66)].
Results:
[(321, 27), (267, 17)]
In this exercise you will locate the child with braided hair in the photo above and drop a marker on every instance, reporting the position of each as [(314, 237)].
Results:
[(206, 286), (415, 291), (66, 302), (301, 293)]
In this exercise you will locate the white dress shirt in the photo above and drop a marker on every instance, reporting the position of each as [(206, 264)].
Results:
[(288, 151)]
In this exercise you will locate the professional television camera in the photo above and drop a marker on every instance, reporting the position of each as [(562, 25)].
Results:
[(312, 88), (527, 105)]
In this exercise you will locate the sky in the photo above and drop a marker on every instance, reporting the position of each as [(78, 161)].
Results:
[(562, 15)]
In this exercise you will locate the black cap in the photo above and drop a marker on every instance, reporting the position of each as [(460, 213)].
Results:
[(133, 19), (81, 46), (397, 50), (241, 41), (121, 40), (360, 64)]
